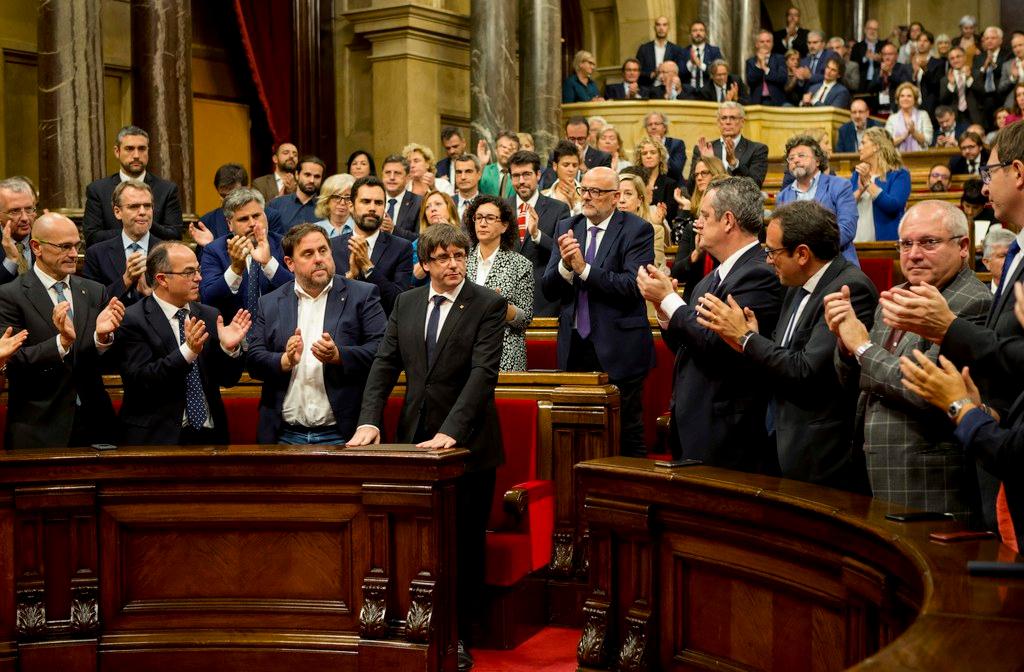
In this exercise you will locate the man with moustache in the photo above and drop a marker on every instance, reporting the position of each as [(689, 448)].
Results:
[(175, 355), (282, 180), (939, 178), (369, 254), (696, 56), (17, 213), (312, 344), (300, 207)]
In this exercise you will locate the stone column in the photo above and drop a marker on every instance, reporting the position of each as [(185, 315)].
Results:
[(540, 83), (859, 16), (718, 16), (747, 19), (162, 89), (492, 85), (71, 145)]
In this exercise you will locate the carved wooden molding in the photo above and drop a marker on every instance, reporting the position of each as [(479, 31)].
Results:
[(633, 654), (373, 614), (592, 651), (85, 609), (421, 611), (30, 613), (562, 553)]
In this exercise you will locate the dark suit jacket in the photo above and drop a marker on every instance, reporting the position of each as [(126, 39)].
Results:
[(454, 394), (777, 77), (687, 92), (676, 158), (444, 166), (266, 185), (711, 54), (799, 42), (752, 160), (593, 158), (407, 225), (818, 71), (990, 100), (620, 332), (974, 114), (958, 164), (718, 416), (550, 211), (663, 192), (837, 96), (99, 222), (848, 136), (217, 223), (858, 55), (813, 412), (153, 372), (617, 91), (213, 289), (105, 263), (392, 265), (709, 93), (958, 129), (648, 65), (41, 386), (900, 73), (354, 319), (5, 275)]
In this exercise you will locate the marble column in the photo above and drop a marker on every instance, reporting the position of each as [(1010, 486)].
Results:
[(162, 89), (747, 21), (492, 85), (71, 145), (718, 16), (540, 86), (859, 11)]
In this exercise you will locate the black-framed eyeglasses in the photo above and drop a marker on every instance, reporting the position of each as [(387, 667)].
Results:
[(593, 192), (63, 247), (926, 244), (490, 219), (188, 273), (458, 258), (341, 197), (985, 172), (770, 252)]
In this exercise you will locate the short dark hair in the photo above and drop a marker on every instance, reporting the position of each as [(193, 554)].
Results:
[(356, 154), (808, 223), (928, 34), (1010, 142), (511, 235), (508, 135), (840, 64), (943, 110), (396, 158), (229, 174), (297, 233), (440, 236), (368, 181), (627, 62), (309, 158), (158, 260), (448, 132), (971, 135), (115, 199), (564, 148), (576, 119), (972, 193), (130, 130), (525, 156)]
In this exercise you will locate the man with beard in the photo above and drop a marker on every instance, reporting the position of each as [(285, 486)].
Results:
[(454, 146), (312, 345), (17, 213), (697, 55), (300, 207), (939, 178), (132, 152), (282, 180), (369, 254)]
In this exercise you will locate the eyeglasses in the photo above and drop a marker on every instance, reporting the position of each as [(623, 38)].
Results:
[(770, 252), (593, 192), (490, 219), (458, 258), (926, 244), (986, 171), (18, 212), (188, 273), (702, 173), (63, 247), (340, 197)]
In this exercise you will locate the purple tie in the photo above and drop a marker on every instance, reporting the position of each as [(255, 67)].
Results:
[(582, 302)]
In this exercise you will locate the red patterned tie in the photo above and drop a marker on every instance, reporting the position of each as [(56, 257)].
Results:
[(522, 221)]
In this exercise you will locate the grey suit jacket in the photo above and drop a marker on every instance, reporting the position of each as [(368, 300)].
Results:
[(266, 185), (1007, 84)]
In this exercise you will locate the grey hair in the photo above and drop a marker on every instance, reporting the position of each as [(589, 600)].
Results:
[(820, 34), (115, 199), (716, 63), (462, 158), (239, 198), (968, 20), (997, 235), (130, 130), (952, 216), (743, 198), (661, 116), (17, 185), (732, 105)]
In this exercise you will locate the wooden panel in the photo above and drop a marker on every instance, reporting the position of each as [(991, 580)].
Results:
[(21, 117), (221, 136)]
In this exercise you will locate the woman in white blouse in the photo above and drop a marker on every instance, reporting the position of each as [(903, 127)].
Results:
[(909, 126)]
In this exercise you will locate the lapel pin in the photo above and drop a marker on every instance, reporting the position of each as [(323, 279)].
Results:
[(461, 306)]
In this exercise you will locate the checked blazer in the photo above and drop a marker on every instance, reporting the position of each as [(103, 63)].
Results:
[(511, 275)]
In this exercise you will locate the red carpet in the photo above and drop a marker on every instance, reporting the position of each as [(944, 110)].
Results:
[(550, 650)]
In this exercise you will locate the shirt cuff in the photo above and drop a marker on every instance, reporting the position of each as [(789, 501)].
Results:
[(586, 273), (11, 266), (187, 352), (536, 236), (566, 274), (101, 347), (670, 304), (270, 268), (61, 350), (236, 353), (233, 280)]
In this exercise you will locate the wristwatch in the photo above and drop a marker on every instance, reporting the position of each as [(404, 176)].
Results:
[(957, 406), (861, 349), (746, 337)]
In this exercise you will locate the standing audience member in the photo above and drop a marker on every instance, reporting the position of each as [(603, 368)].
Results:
[(909, 126), (696, 56), (633, 199), (495, 179), (987, 68), (1012, 74), (213, 224), (467, 183), (766, 73), (579, 87), (282, 180), (300, 207), (436, 209), (795, 87), (609, 140), (652, 54), (403, 206), (454, 146), (851, 70), (567, 166), (830, 90), (656, 125), (334, 205), (881, 187), (421, 169), (740, 156), (867, 54), (653, 160), (793, 36), (958, 91), (891, 75), (360, 164)]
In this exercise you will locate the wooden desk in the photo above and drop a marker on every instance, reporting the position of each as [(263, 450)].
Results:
[(703, 568), (257, 558)]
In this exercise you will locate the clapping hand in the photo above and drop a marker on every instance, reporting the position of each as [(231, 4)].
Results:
[(195, 334), (9, 343), (326, 350), (10, 247), (231, 335), (63, 323), (202, 235), (726, 318), (681, 200), (843, 321), (135, 268), (654, 285), (292, 351), (239, 247), (704, 147), (483, 152), (261, 251), (569, 249), (109, 320), (940, 385), (358, 257)]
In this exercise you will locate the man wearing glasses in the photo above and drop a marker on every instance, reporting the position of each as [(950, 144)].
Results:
[(602, 322), (740, 156), (912, 457), (17, 212), (57, 396)]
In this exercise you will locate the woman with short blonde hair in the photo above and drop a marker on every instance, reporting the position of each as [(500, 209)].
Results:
[(579, 87), (421, 167), (334, 205)]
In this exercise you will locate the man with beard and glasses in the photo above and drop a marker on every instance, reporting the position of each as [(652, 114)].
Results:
[(132, 152), (939, 178), (300, 207), (369, 254), (282, 180), (312, 343)]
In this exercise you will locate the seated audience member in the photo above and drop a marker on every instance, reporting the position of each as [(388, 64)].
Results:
[(867, 54), (851, 70), (718, 417), (1002, 121), (669, 85), (692, 260), (403, 206), (653, 159), (454, 146), (494, 179), (957, 91), (721, 86), (609, 140), (312, 343), (174, 356), (494, 263), (912, 458), (811, 417), (536, 219), (240, 267), (881, 187), (652, 54), (17, 214), (656, 125), (360, 164), (740, 156), (993, 255), (421, 169), (973, 155), (890, 76), (629, 88), (567, 168), (909, 125), (119, 264), (948, 130), (436, 208), (633, 199), (696, 56), (939, 178), (300, 207), (334, 205), (978, 130), (282, 180), (975, 204), (809, 165), (794, 88), (132, 152), (579, 87), (851, 132), (603, 321), (56, 396), (368, 254), (830, 90), (213, 224)]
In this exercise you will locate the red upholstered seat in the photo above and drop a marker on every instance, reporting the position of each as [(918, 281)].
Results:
[(880, 271), (243, 417)]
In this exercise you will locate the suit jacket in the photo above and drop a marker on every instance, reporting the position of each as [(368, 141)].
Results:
[(900, 73), (930, 80), (42, 387), (620, 332), (676, 158), (836, 194), (912, 458), (153, 371), (799, 42), (663, 192), (813, 411), (990, 100), (648, 64), (266, 185), (711, 54), (105, 263), (858, 55), (818, 71), (408, 224), (959, 128), (752, 160), (708, 92), (958, 164), (776, 78), (392, 265), (5, 275), (444, 167), (617, 91), (99, 222), (718, 416), (454, 394), (549, 211), (837, 96), (1007, 84), (889, 206), (848, 136), (490, 182), (974, 114), (511, 275), (214, 290), (354, 319)]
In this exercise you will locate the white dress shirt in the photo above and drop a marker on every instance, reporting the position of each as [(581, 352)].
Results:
[(125, 176), (169, 310), (306, 403), (48, 284), (532, 202), (234, 280), (659, 54), (673, 302), (141, 242)]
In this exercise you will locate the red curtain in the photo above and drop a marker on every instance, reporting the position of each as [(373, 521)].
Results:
[(266, 31)]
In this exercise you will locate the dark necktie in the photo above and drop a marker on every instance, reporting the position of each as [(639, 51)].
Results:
[(22, 260), (59, 287), (1011, 252), (700, 73), (990, 79), (195, 402), (391, 209), (252, 290), (133, 248), (787, 335), (502, 183), (814, 63), (721, 93), (582, 299), (432, 322)]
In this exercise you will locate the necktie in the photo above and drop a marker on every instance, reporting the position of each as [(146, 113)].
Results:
[(961, 95), (522, 221), (22, 260), (764, 81), (716, 280), (700, 73), (822, 92), (990, 80), (391, 208), (787, 335), (252, 290), (432, 322), (195, 402), (814, 63), (133, 248), (871, 63), (59, 287), (1011, 252), (972, 167), (583, 301), (721, 93), (502, 183)]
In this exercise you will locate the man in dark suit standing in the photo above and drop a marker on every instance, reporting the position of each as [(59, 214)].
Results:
[(793, 36), (741, 157), (867, 53), (56, 394), (449, 346), (132, 152), (629, 88), (959, 89), (696, 57), (987, 69), (656, 125), (402, 209), (722, 86), (766, 73), (282, 180), (120, 263), (454, 146), (602, 323), (312, 344), (369, 254), (718, 414), (652, 54), (17, 213), (174, 356), (811, 412), (537, 216), (890, 75)]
